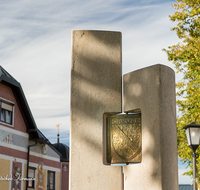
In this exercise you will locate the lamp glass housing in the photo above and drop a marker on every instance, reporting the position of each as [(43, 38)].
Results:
[(188, 136), (193, 135)]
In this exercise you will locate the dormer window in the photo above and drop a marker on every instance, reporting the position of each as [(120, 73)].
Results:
[(6, 110)]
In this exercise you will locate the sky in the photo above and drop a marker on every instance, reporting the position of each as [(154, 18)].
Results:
[(35, 48)]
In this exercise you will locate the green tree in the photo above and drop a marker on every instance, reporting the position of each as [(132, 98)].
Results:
[(186, 58)]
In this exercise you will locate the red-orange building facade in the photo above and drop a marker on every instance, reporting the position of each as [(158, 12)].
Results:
[(24, 150)]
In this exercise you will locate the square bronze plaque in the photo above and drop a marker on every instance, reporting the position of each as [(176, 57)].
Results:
[(124, 139)]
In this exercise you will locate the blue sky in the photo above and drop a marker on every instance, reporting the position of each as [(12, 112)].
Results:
[(35, 48)]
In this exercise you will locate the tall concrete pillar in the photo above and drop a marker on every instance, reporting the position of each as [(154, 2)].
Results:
[(96, 85), (151, 90)]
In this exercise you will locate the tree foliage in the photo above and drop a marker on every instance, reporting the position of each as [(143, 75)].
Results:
[(186, 58)]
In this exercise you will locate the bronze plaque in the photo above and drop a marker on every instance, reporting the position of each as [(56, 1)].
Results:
[(124, 139)]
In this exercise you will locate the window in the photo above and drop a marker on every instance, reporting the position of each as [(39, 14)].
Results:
[(6, 112), (51, 180), (31, 174)]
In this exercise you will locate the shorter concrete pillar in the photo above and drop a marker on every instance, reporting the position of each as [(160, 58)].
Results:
[(152, 91)]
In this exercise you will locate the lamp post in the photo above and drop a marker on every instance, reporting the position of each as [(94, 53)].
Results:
[(193, 137)]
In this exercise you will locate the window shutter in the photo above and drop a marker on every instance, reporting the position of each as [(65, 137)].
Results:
[(6, 106)]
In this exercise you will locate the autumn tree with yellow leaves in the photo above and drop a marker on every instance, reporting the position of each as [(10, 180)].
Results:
[(186, 58)]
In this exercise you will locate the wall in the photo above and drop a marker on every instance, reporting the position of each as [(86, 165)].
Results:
[(65, 175), (4, 173)]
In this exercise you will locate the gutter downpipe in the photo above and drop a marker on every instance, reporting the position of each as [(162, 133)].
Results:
[(28, 162)]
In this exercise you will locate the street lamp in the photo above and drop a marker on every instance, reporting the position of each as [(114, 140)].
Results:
[(193, 137)]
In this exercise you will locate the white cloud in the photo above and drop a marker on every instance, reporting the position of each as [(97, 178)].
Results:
[(183, 179)]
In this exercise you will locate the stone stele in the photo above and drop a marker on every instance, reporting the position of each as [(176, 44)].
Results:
[(151, 91), (96, 88)]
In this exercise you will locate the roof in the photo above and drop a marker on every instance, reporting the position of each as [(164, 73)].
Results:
[(185, 187), (7, 79), (34, 132), (42, 138), (64, 150)]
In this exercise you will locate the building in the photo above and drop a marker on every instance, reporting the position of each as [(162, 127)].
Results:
[(185, 187), (64, 159), (27, 159)]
